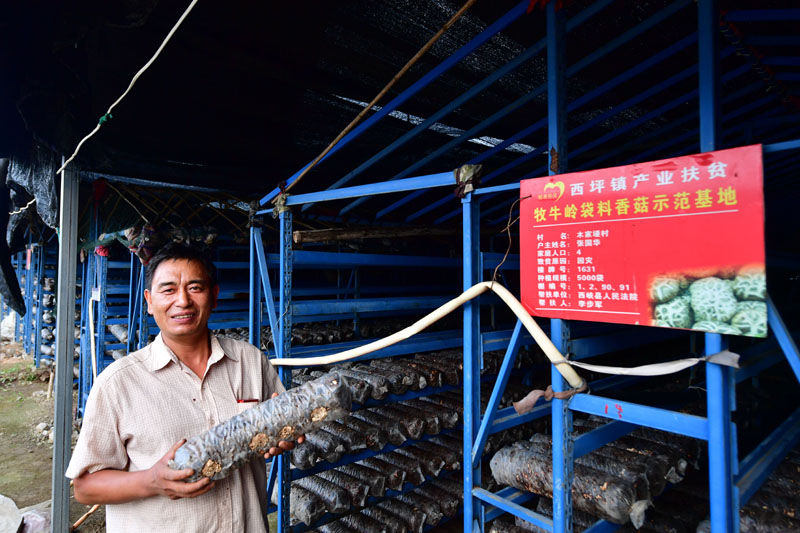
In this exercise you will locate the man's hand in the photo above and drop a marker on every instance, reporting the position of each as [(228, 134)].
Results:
[(284, 445), (119, 486), (165, 481)]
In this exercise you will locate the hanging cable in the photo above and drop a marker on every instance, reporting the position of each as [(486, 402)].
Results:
[(21, 209), (507, 229), (108, 114), (383, 91)]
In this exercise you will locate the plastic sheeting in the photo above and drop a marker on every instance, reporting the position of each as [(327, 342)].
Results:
[(9, 285), (35, 177)]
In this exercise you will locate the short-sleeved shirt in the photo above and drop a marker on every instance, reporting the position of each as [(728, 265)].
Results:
[(141, 405)]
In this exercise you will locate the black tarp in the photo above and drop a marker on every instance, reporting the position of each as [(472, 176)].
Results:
[(9, 285)]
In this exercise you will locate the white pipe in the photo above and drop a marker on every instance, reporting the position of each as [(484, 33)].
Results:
[(533, 328)]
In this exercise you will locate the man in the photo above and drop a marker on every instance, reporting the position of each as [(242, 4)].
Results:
[(144, 406)]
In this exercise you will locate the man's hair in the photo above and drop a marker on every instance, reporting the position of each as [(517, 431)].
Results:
[(175, 250)]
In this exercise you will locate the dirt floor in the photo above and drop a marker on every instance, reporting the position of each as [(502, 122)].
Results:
[(26, 454)]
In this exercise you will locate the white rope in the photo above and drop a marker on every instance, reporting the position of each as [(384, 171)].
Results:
[(561, 363), (130, 86), (21, 209), (541, 338)]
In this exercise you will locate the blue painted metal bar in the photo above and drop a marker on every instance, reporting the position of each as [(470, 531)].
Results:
[(722, 446), (787, 76), (507, 505), (419, 343), (303, 258), (269, 301), (773, 40), (497, 188), (441, 179), (473, 510), (759, 464), (781, 61), (508, 417), (602, 526), (561, 416), (722, 456), (491, 260), (254, 295), (497, 393), (18, 322), (778, 147), (601, 436), (271, 477), (785, 340), (39, 256), (762, 15), (497, 26), (313, 307), (511, 495), (135, 303), (591, 58), (643, 415), (284, 346), (27, 322)]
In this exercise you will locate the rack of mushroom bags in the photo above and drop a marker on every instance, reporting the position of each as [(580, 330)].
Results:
[(36, 268), (564, 455), (400, 450)]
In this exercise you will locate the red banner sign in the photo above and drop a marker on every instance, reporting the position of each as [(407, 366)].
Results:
[(674, 243)]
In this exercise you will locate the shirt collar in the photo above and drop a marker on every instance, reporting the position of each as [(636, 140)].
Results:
[(162, 355)]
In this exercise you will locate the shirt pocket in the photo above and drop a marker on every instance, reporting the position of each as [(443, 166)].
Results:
[(244, 406)]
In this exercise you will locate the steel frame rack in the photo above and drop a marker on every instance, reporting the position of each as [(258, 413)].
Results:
[(727, 487), (730, 483), (290, 259), (45, 260)]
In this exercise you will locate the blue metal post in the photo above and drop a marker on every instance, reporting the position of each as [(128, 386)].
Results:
[(102, 312), (559, 329), (562, 438), (134, 303), (283, 349), (144, 316), (473, 510), (784, 337), (18, 322), (254, 311), (29, 298), (720, 395), (39, 253)]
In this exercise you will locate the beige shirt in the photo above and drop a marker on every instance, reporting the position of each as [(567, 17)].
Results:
[(144, 403)]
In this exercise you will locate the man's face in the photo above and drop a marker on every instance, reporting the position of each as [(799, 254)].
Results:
[(181, 298)]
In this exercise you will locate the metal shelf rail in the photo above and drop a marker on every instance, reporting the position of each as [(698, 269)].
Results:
[(744, 105), (605, 339), (45, 260), (261, 292), (731, 483)]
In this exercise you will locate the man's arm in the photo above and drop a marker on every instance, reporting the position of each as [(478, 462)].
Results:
[(118, 486)]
